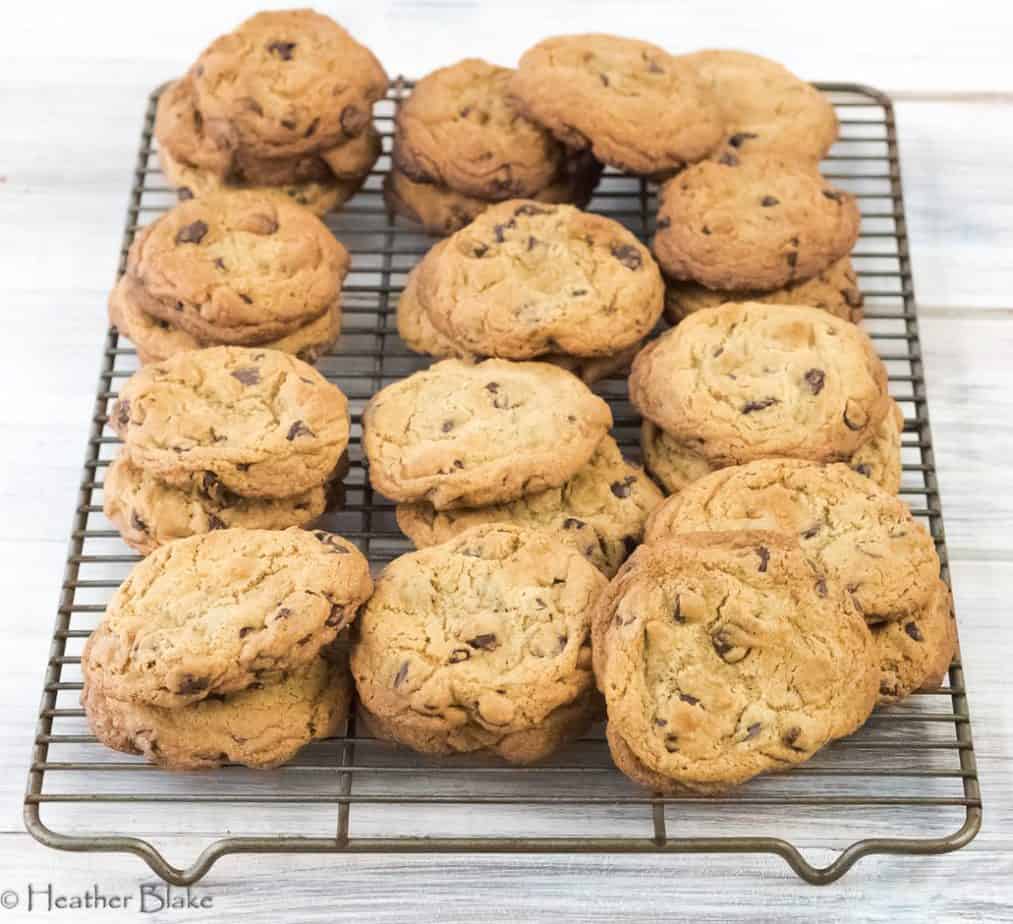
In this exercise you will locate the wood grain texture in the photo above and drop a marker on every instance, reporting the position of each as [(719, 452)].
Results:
[(71, 100)]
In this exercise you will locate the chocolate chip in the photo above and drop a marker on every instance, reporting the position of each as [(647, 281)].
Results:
[(220, 263), (760, 405), (282, 614), (290, 124), (402, 672), (249, 375), (192, 233), (215, 523), (663, 223), (671, 743), (753, 730), (706, 231), (728, 652), (728, 159), (914, 632), (447, 426), (791, 736), (532, 241), (811, 532), (887, 688), (487, 641), (604, 79), (850, 424), (793, 259), (576, 293), (661, 723), (191, 684), (686, 698), (480, 251), (253, 106), (764, 554), (282, 49), (311, 128), (331, 541), (833, 195), (246, 630), (298, 429), (184, 193), (821, 587), (768, 201), (499, 229), (736, 140), (137, 523), (815, 379), (572, 523), (246, 298), (863, 469), (458, 655), (458, 463), (528, 209), (121, 413), (622, 488), (677, 612), (653, 67), (628, 255), (492, 386), (335, 617)]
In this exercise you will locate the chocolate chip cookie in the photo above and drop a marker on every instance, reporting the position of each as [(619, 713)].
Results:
[(525, 279), (459, 129), (752, 223), (916, 651), (442, 211), (675, 465), (218, 613), (460, 434), (262, 423), (724, 655), (419, 334), (287, 82), (764, 106), (156, 339), (238, 267), (858, 534), (834, 290), (633, 104), (601, 511), (149, 513), (262, 726), (480, 644), (750, 381)]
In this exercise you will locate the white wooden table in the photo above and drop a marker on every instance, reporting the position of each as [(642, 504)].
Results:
[(73, 82)]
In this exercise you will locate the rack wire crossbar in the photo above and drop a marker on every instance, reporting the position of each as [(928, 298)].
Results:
[(905, 784)]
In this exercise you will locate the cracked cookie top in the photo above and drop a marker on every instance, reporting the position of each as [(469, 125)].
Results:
[(633, 104), (261, 422), (286, 82), (601, 511), (722, 655), (484, 636), (748, 381), (238, 267), (752, 223), (859, 534), (460, 129), (469, 434), (217, 613), (764, 106), (526, 278)]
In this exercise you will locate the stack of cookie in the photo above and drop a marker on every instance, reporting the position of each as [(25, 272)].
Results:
[(528, 280), (224, 437), (284, 103), (235, 267), (461, 445), (857, 534), (461, 144), (221, 649), (742, 382)]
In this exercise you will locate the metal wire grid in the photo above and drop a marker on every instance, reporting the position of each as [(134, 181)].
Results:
[(906, 783)]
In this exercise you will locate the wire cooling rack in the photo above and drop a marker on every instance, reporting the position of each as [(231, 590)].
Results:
[(905, 783)]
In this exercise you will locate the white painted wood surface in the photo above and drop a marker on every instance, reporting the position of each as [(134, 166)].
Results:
[(73, 80)]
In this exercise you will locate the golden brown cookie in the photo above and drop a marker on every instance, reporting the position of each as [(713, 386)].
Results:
[(835, 290), (460, 130), (764, 106), (480, 644), (725, 655), (221, 612), (633, 104), (601, 511), (752, 223), (469, 434)]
